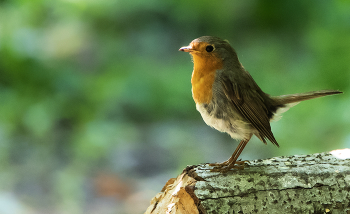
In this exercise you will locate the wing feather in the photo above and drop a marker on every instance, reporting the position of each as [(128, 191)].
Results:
[(251, 106)]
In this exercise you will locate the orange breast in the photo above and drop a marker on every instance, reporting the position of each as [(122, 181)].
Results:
[(203, 77)]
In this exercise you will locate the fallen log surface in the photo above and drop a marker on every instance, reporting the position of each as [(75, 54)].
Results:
[(317, 183)]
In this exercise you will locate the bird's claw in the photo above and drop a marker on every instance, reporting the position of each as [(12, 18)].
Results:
[(226, 166)]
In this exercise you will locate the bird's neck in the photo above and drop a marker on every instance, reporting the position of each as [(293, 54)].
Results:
[(203, 78)]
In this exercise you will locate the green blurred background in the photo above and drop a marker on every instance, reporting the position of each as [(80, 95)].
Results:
[(96, 112)]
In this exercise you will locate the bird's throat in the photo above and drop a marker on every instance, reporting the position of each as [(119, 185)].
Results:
[(203, 78)]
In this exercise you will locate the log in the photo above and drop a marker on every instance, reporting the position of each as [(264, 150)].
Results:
[(317, 183)]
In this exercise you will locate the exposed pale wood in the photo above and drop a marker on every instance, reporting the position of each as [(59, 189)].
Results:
[(317, 183)]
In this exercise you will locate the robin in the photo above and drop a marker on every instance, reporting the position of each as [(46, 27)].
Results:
[(229, 99)]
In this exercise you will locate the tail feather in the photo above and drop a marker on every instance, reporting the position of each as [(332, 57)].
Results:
[(293, 98), (284, 102)]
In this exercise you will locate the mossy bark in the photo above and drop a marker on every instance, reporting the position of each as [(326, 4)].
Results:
[(317, 183)]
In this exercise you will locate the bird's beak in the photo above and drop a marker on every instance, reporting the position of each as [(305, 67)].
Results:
[(186, 48)]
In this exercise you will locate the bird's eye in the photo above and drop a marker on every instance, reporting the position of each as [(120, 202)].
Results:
[(209, 48)]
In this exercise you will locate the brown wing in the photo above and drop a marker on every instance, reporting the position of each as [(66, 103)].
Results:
[(250, 104)]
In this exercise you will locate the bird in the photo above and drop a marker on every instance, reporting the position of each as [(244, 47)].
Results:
[(229, 100)]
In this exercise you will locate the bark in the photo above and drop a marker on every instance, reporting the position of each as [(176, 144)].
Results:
[(317, 183)]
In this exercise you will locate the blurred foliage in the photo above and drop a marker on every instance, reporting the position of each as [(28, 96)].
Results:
[(96, 110)]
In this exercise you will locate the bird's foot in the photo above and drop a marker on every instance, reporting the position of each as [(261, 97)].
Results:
[(226, 166)]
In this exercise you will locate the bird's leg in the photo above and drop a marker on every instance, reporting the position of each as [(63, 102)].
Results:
[(231, 159), (232, 162)]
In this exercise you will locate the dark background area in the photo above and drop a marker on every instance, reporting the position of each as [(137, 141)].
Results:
[(96, 112)]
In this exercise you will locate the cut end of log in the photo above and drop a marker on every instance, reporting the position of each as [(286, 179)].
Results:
[(177, 196)]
